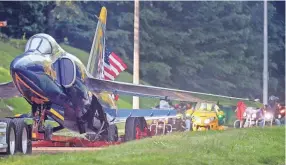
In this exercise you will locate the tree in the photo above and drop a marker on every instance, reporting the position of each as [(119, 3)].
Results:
[(213, 47)]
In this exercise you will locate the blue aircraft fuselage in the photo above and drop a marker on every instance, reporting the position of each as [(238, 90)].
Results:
[(56, 81)]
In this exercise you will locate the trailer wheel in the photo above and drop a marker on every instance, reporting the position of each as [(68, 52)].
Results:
[(10, 136), (112, 133), (23, 134), (130, 127), (143, 123)]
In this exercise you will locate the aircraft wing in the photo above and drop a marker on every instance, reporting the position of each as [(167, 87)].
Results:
[(98, 85), (8, 90)]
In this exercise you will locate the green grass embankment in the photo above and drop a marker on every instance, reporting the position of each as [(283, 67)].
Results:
[(255, 146)]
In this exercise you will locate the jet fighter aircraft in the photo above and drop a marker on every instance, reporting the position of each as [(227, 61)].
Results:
[(58, 85)]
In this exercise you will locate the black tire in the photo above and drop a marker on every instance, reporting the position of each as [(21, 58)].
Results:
[(143, 123), (24, 136), (10, 130), (112, 133), (130, 128)]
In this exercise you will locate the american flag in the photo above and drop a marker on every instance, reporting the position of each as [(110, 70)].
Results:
[(113, 65)]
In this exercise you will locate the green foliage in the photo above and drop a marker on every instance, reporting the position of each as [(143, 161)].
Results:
[(237, 146), (28, 17), (212, 47)]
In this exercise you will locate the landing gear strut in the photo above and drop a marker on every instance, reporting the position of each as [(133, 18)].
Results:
[(40, 113)]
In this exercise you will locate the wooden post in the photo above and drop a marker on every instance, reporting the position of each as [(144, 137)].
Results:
[(136, 52)]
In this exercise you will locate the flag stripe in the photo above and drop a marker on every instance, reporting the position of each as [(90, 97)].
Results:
[(119, 60), (109, 76), (111, 58), (107, 70), (112, 65), (115, 67), (111, 70)]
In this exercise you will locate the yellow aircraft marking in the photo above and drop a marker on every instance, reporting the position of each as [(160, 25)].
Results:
[(99, 46), (17, 115), (56, 114), (49, 70)]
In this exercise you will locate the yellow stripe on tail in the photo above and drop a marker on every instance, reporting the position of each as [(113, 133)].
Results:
[(96, 56)]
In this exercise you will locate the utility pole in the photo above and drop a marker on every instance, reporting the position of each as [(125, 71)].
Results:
[(136, 52), (285, 60), (265, 59)]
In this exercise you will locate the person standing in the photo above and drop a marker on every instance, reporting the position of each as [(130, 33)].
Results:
[(240, 109), (188, 122)]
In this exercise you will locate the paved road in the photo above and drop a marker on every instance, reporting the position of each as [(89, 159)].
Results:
[(54, 150)]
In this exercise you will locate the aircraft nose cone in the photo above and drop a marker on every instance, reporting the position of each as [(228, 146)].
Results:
[(19, 64), (16, 65)]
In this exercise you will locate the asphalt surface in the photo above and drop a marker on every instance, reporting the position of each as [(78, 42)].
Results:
[(54, 150)]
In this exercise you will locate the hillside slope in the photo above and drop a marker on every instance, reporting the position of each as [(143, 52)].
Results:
[(237, 146)]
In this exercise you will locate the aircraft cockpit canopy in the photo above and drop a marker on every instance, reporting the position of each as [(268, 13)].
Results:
[(43, 44), (40, 44)]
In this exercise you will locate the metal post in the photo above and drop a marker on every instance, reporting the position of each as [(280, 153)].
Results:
[(265, 59), (285, 58), (136, 52)]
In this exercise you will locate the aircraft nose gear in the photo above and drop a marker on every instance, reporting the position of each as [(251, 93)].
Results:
[(81, 125), (91, 136), (40, 115), (99, 135), (96, 123)]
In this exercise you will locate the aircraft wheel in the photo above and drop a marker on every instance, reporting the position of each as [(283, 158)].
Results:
[(112, 133), (23, 140), (10, 136), (130, 128)]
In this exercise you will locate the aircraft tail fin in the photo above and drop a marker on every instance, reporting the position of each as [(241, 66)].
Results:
[(96, 56)]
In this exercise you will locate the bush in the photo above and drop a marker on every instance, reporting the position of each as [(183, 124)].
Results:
[(4, 38), (19, 44)]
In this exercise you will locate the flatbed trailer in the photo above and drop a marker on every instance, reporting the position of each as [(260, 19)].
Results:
[(17, 136), (68, 141)]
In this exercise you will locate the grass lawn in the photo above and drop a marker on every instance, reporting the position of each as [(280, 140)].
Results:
[(237, 146)]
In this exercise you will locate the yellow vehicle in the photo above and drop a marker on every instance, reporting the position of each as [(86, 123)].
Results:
[(206, 116)]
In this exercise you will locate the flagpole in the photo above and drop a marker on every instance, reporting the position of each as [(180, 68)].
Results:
[(136, 52), (265, 59)]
